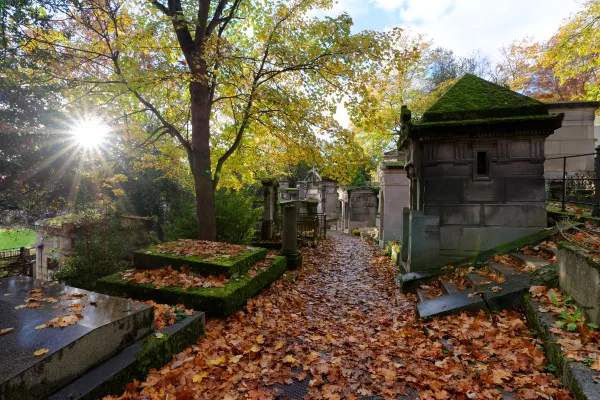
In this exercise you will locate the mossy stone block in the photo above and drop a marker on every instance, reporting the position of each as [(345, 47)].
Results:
[(215, 302), (150, 258)]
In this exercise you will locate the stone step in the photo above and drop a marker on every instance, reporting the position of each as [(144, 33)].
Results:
[(465, 300), (112, 375), (476, 280), (510, 294), (529, 261), (553, 251), (424, 294), (449, 287), (410, 281), (503, 270)]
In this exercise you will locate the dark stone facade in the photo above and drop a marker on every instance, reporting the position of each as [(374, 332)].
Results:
[(476, 183)]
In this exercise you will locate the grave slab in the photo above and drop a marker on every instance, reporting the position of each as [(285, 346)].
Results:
[(134, 362), (504, 270), (108, 325), (530, 261), (151, 258), (452, 303), (215, 301)]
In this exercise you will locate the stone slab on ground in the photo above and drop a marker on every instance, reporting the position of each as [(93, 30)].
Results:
[(476, 281), (214, 301), (578, 378), (106, 327), (504, 270), (134, 362), (410, 281), (449, 287), (229, 266), (465, 300), (530, 261), (510, 294)]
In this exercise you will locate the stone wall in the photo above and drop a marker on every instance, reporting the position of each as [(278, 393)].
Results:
[(579, 277), (362, 208), (477, 212), (575, 137)]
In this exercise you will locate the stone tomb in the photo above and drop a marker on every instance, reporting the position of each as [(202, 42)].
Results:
[(476, 167), (109, 324), (362, 208), (393, 196)]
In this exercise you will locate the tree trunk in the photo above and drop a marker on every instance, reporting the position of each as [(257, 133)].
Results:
[(200, 162)]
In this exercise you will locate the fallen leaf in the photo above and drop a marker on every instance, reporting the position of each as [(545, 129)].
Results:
[(5, 331), (496, 289), (289, 359), (40, 352), (159, 335), (218, 361), (20, 306)]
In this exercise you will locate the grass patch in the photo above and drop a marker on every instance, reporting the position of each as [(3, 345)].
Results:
[(16, 238), (216, 302)]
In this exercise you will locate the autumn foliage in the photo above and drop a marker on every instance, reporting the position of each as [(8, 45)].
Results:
[(338, 326)]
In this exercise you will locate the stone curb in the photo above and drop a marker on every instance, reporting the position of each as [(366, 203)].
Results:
[(576, 377)]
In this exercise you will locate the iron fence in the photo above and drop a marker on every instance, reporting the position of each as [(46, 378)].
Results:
[(576, 188), (16, 262), (312, 226)]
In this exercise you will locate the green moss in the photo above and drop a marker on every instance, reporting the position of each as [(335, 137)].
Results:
[(394, 164), (474, 98), (216, 302), (532, 239), (150, 258), (153, 353)]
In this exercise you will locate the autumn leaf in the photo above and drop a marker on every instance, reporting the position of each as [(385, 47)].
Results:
[(499, 375), (279, 345), (51, 300), (5, 331), (42, 326), (218, 361), (20, 306), (132, 386), (289, 359), (34, 304), (579, 237), (496, 289), (40, 352), (198, 378), (235, 359)]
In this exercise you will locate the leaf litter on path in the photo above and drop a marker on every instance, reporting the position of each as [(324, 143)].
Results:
[(341, 327)]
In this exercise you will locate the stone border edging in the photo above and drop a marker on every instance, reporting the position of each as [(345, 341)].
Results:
[(578, 378)]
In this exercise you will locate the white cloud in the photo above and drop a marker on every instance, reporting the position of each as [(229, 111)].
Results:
[(467, 25)]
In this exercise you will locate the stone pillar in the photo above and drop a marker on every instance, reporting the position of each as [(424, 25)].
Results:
[(267, 228), (394, 196), (290, 237)]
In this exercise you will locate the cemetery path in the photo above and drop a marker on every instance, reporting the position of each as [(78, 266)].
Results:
[(337, 328)]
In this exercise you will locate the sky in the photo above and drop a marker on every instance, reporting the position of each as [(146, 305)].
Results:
[(460, 25), (463, 25)]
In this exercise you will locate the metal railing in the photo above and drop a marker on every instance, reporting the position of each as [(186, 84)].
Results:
[(312, 226), (16, 262), (577, 188)]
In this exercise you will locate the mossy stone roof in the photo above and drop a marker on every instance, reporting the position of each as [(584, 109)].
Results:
[(473, 98)]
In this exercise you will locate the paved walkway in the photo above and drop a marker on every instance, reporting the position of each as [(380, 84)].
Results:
[(337, 329)]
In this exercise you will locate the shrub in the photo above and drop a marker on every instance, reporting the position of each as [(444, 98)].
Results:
[(235, 217), (101, 245), (356, 232)]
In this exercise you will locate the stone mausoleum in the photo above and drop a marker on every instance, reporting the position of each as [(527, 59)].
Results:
[(475, 162)]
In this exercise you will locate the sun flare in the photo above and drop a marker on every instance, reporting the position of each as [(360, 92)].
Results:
[(90, 133)]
